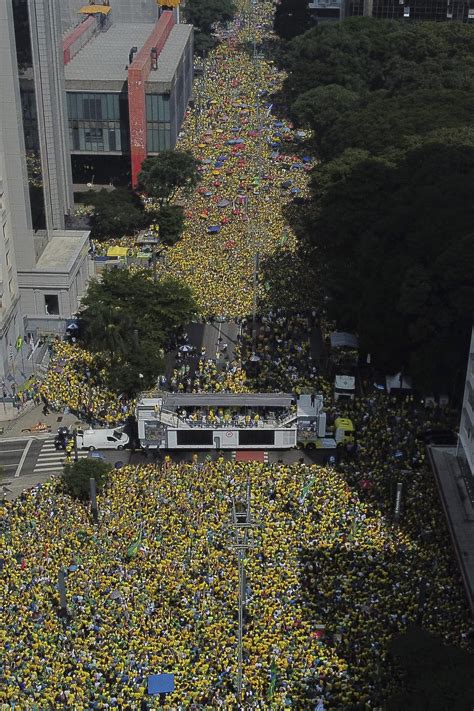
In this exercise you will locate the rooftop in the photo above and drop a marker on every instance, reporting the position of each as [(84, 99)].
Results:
[(105, 57), (174, 401), (171, 54), (61, 251)]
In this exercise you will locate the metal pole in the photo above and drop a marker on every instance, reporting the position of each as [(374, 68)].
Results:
[(241, 627), (74, 434), (62, 592), (93, 497), (254, 309), (154, 265)]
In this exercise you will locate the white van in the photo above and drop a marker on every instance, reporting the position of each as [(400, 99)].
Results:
[(101, 439)]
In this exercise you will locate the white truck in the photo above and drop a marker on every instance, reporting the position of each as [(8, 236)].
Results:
[(344, 387), (102, 439)]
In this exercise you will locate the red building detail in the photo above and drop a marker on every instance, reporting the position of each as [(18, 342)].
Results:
[(138, 73), (77, 38)]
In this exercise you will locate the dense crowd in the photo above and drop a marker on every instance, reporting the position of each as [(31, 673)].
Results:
[(330, 579), (326, 555), (250, 167), (75, 383)]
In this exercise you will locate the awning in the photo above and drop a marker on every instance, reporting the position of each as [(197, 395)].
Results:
[(341, 339), (95, 10), (117, 251)]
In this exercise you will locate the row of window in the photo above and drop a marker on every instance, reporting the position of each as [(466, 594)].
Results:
[(94, 107), (97, 137)]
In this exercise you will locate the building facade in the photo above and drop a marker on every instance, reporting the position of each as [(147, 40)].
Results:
[(466, 428), (37, 256), (127, 93), (432, 10)]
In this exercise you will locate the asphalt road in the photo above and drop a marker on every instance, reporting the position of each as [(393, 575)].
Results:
[(32, 461)]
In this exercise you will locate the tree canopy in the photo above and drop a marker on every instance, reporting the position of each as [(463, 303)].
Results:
[(170, 220), (397, 243), (132, 321), (76, 475), (365, 54), (388, 230), (163, 175), (436, 676), (204, 14), (116, 212)]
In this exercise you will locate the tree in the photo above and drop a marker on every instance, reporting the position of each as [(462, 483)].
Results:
[(76, 475), (364, 54), (292, 18), (116, 213), (163, 175), (204, 14), (436, 676), (405, 229), (132, 321), (170, 219), (384, 120)]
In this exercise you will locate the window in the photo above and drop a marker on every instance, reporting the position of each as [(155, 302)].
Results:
[(194, 437), (256, 437), (96, 121), (51, 304)]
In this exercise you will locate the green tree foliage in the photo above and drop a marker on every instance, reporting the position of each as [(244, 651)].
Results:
[(436, 676), (76, 475), (365, 54), (292, 18), (389, 226), (384, 120), (132, 320), (170, 219), (396, 240), (116, 213), (163, 175), (204, 14)]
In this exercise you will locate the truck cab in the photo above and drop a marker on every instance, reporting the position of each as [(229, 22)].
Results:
[(344, 431)]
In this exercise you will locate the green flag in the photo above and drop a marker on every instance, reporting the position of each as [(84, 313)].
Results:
[(306, 489), (273, 680), (133, 547)]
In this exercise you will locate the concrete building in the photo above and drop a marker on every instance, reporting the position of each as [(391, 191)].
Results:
[(127, 93), (466, 428), (434, 10), (43, 268), (453, 469), (326, 10), (124, 12)]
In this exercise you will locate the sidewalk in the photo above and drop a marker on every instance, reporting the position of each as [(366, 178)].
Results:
[(31, 416)]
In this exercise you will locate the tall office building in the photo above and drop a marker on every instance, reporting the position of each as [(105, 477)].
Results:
[(433, 10), (43, 268)]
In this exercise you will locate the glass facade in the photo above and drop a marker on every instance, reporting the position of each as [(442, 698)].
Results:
[(97, 122), (24, 57), (158, 122)]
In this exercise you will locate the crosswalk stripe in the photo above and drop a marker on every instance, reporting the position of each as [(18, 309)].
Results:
[(48, 467)]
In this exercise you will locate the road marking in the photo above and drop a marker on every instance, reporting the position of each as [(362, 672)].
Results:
[(8, 451), (9, 466), (23, 457)]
